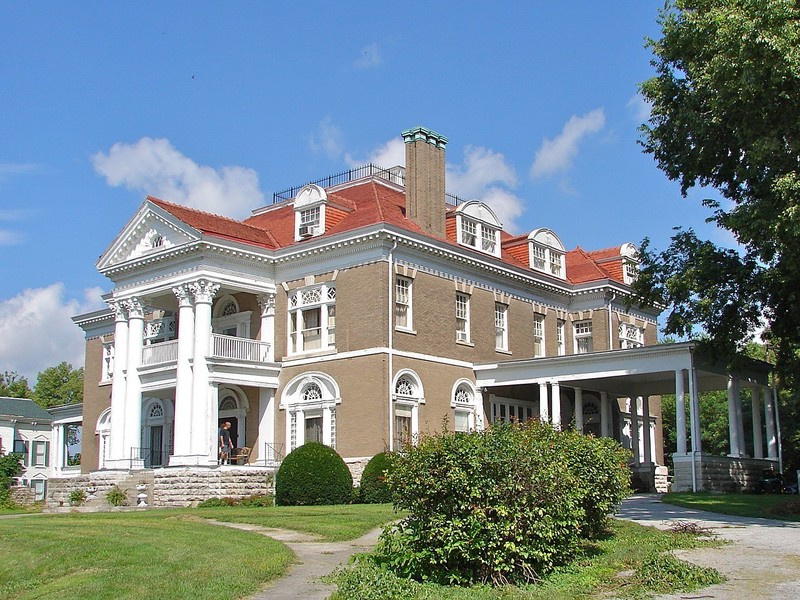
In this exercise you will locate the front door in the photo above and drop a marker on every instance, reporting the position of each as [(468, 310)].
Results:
[(156, 446)]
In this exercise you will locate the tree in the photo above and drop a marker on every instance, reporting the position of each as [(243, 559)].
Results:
[(14, 386), (725, 105), (59, 385), (725, 102)]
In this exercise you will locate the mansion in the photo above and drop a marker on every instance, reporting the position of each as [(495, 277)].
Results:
[(360, 311)]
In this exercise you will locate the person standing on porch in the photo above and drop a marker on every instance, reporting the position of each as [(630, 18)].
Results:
[(225, 446)]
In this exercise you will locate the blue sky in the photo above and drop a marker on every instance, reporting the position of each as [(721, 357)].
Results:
[(217, 105)]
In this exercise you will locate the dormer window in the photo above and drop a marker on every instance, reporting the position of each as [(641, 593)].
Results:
[(478, 227), (630, 262), (309, 211), (546, 253)]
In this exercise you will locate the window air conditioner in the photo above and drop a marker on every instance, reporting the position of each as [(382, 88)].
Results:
[(307, 230)]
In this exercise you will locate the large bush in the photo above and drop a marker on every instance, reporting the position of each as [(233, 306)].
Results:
[(10, 467), (313, 474), (374, 489), (503, 505)]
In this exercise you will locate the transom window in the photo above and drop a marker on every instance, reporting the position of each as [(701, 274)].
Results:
[(583, 337), (312, 319), (462, 317), (402, 302), (311, 393), (501, 326), (404, 387), (538, 335)]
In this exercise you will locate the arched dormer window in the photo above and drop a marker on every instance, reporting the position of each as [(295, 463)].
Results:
[(478, 227), (546, 253), (309, 212), (630, 262)]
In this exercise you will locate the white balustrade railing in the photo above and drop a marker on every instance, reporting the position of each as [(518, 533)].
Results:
[(226, 346), (161, 352)]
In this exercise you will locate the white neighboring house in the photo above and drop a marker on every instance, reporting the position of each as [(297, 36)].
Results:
[(41, 437)]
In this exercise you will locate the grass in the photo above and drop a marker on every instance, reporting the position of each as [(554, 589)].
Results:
[(768, 506), (332, 523), (164, 554), (632, 562)]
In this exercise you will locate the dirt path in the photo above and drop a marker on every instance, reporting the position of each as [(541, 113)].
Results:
[(316, 559), (762, 562)]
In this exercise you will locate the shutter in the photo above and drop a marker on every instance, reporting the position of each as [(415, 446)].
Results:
[(47, 454)]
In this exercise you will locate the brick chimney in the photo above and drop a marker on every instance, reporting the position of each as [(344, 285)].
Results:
[(425, 203)]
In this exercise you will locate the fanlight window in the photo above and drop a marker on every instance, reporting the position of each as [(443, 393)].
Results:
[(228, 403), (311, 393), (156, 411), (404, 387)]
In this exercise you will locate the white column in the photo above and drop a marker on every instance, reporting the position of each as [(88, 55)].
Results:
[(544, 413), (772, 431), (579, 409), (605, 415), (680, 411), (183, 375), (203, 428), (647, 457), (634, 410), (266, 423), (267, 304), (733, 425), (740, 418), (694, 402), (211, 453), (758, 433), (555, 392), (133, 388), (116, 442)]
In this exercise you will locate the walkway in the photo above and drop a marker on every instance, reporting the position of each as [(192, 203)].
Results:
[(762, 562), (315, 559)]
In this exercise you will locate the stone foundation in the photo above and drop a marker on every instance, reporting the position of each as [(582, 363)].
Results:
[(22, 495), (356, 466), (719, 473)]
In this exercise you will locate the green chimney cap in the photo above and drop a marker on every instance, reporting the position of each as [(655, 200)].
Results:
[(424, 134)]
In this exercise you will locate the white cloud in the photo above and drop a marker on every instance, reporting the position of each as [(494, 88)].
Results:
[(390, 154), (485, 175), (327, 140), (639, 107), (154, 166), (9, 169), (37, 332), (556, 154), (370, 57)]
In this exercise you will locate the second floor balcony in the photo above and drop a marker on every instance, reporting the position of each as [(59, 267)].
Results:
[(222, 347)]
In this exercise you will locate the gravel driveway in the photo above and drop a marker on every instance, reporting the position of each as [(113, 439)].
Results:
[(763, 560)]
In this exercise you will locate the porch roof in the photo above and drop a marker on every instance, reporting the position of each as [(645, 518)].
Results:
[(649, 370)]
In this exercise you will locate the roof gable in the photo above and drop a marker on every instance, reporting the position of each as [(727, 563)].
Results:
[(23, 408)]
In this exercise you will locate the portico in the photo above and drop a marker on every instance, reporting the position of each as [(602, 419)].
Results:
[(632, 377)]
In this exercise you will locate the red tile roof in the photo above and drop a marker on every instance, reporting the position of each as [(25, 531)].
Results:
[(371, 202)]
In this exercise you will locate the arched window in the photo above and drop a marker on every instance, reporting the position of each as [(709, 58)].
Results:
[(407, 398), (465, 406), (310, 401)]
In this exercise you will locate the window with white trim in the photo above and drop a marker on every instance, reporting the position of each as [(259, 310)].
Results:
[(21, 447), (501, 326), (478, 227), (511, 410), (406, 399), (464, 408), (312, 319), (556, 263), (309, 210), (403, 302), (311, 404), (538, 257), (538, 336), (462, 317), (40, 454), (630, 336), (630, 271), (107, 371), (488, 239), (583, 337), (546, 252), (469, 232), (560, 343)]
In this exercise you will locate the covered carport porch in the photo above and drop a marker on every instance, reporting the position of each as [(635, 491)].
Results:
[(628, 384)]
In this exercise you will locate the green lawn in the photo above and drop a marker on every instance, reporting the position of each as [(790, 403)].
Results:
[(161, 554), (770, 506), (631, 563)]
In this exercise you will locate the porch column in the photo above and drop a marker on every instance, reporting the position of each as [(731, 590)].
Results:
[(769, 417), (647, 458), (758, 434), (544, 413), (733, 423), (133, 388), (116, 450), (634, 410), (267, 304), (211, 450), (183, 380), (555, 392), (203, 291), (605, 415), (740, 418), (579, 409), (694, 415), (266, 425), (680, 411)]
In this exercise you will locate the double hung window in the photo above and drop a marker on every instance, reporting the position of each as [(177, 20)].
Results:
[(402, 302), (538, 335), (583, 337), (462, 317), (312, 319), (501, 326)]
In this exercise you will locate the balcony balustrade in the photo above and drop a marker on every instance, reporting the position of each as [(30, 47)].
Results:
[(222, 347)]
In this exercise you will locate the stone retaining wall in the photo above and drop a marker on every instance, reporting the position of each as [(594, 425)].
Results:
[(181, 487), (719, 473)]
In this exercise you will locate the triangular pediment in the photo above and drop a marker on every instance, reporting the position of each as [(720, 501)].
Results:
[(151, 231)]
